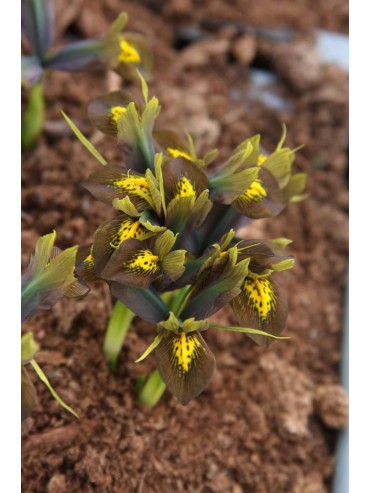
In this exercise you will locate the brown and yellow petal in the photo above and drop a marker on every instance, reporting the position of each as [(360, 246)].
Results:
[(183, 178), (262, 198), (133, 262), (85, 264), (111, 234), (112, 182), (185, 364), (261, 305), (104, 112)]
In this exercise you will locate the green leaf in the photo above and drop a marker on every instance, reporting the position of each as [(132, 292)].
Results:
[(85, 141), (152, 390), (247, 330), (115, 335), (144, 86), (33, 118), (37, 25), (150, 348), (45, 380)]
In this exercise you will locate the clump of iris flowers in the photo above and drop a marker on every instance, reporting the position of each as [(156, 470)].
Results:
[(122, 51), (170, 254), (48, 277)]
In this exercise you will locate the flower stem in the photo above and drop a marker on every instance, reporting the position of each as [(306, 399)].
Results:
[(152, 390), (118, 325), (33, 118)]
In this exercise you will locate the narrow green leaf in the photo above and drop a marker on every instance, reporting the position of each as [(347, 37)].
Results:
[(246, 330), (282, 138), (150, 348), (45, 380), (84, 141), (152, 391), (118, 325), (33, 118), (144, 86)]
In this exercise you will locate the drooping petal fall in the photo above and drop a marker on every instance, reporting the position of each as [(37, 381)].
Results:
[(105, 111), (112, 182), (262, 198), (185, 364), (261, 305), (109, 236)]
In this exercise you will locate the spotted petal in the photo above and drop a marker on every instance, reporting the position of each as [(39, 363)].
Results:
[(112, 182), (261, 305), (262, 198), (109, 236), (105, 111), (85, 264), (133, 263), (185, 364)]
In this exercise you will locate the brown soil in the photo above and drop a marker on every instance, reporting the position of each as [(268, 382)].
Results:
[(267, 421)]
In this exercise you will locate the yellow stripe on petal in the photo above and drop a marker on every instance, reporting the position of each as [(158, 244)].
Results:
[(254, 193), (143, 261), (261, 159), (261, 296), (186, 349), (184, 188), (178, 153), (129, 53), (116, 112)]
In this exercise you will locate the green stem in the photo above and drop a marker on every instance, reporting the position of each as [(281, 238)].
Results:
[(33, 118), (180, 300), (152, 390), (118, 325)]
